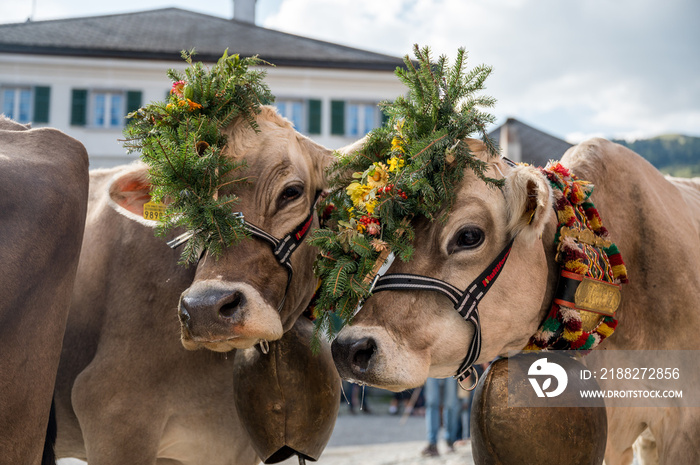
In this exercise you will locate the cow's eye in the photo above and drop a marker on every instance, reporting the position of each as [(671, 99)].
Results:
[(467, 238), (290, 193)]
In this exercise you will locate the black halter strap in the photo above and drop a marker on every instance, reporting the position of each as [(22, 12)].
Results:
[(281, 248), (465, 302)]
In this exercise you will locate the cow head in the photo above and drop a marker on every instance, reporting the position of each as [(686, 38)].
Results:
[(399, 338), (235, 298)]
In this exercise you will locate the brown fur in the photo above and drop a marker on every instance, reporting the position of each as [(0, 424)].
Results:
[(654, 221), (128, 392), (43, 199)]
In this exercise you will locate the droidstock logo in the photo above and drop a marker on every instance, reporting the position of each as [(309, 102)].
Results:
[(544, 370)]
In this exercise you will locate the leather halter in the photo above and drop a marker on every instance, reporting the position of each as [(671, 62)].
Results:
[(465, 302), (282, 248)]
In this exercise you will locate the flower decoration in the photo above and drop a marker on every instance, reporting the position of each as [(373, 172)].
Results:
[(406, 169), (181, 141)]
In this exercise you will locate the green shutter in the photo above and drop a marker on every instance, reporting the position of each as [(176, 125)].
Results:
[(337, 117), (78, 108), (133, 101), (314, 117), (385, 117), (42, 97)]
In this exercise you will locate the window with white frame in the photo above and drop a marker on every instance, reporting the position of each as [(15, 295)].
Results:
[(107, 109), (17, 103), (361, 118), (294, 111), (102, 108)]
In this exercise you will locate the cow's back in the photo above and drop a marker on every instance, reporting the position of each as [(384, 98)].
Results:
[(43, 197)]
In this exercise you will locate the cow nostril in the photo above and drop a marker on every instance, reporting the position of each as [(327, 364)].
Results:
[(362, 352), (184, 315), (229, 309)]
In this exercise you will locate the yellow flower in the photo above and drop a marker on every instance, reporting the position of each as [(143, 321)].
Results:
[(397, 145), (371, 205), (361, 227), (380, 176), (357, 192), (395, 163)]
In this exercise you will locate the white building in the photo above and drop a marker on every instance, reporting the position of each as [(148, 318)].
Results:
[(82, 75)]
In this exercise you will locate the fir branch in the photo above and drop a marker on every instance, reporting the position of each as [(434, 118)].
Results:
[(407, 169), (182, 142)]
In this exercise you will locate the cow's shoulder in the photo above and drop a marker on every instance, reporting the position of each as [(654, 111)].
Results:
[(43, 153), (6, 124), (597, 154)]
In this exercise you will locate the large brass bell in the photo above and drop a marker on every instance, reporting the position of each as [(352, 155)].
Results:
[(505, 435), (287, 399)]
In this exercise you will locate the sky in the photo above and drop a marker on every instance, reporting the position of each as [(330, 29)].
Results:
[(576, 69)]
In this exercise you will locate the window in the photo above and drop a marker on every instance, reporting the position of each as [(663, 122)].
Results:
[(361, 118), (101, 108), (107, 109), (26, 104), (293, 110), (354, 119), (304, 114)]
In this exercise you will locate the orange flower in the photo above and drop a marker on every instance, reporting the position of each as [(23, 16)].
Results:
[(193, 105)]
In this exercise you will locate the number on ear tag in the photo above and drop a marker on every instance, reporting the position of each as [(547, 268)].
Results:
[(153, 210)]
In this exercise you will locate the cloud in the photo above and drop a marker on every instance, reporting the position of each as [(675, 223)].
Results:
[(613, 68)]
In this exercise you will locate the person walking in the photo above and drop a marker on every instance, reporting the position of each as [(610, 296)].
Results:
[(441, 393)]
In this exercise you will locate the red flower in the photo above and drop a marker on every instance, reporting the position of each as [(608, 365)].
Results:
[(177, 88)]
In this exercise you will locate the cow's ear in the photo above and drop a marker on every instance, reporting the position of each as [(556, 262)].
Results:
[(129, 191), (528, 200), (321, 158)]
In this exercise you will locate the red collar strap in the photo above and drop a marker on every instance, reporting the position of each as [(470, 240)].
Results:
[(588, 293)]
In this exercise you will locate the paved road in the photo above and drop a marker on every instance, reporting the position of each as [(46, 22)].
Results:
[(376, 439)]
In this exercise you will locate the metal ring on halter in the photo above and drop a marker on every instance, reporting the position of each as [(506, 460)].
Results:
[(476, 379), (264, 346)]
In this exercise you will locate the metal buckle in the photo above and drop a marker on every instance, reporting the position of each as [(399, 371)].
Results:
[(186, 236), (382, 270), (473, 373), (179, 240)]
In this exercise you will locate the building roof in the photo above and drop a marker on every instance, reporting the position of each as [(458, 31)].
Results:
[(162, 34), (535, 147)]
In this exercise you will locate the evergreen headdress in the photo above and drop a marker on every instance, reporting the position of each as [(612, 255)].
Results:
[(408, 168), (181, 141)]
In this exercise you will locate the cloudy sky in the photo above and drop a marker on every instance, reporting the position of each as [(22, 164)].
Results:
[(620, 68)]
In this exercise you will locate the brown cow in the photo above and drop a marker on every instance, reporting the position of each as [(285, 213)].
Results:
[(400, 338), (127, 391), (43, 200)]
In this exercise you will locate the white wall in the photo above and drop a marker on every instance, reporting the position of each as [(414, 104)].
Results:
[(63, 74)]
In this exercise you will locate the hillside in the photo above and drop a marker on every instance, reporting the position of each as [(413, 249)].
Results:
[(673, 154)]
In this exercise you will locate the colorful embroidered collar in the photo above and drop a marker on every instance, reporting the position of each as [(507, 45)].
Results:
[(588, 293)]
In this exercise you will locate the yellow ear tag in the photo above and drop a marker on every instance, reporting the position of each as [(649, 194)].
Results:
[(153, 210)]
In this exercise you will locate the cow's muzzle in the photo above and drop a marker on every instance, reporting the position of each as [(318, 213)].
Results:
[(213, 311), (354, 357)]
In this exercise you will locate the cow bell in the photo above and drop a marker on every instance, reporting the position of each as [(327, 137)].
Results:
[(287, 399), (505, 435)]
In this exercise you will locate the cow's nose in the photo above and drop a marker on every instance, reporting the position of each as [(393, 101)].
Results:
[(184, 316), (222, 302), (354, 354)]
